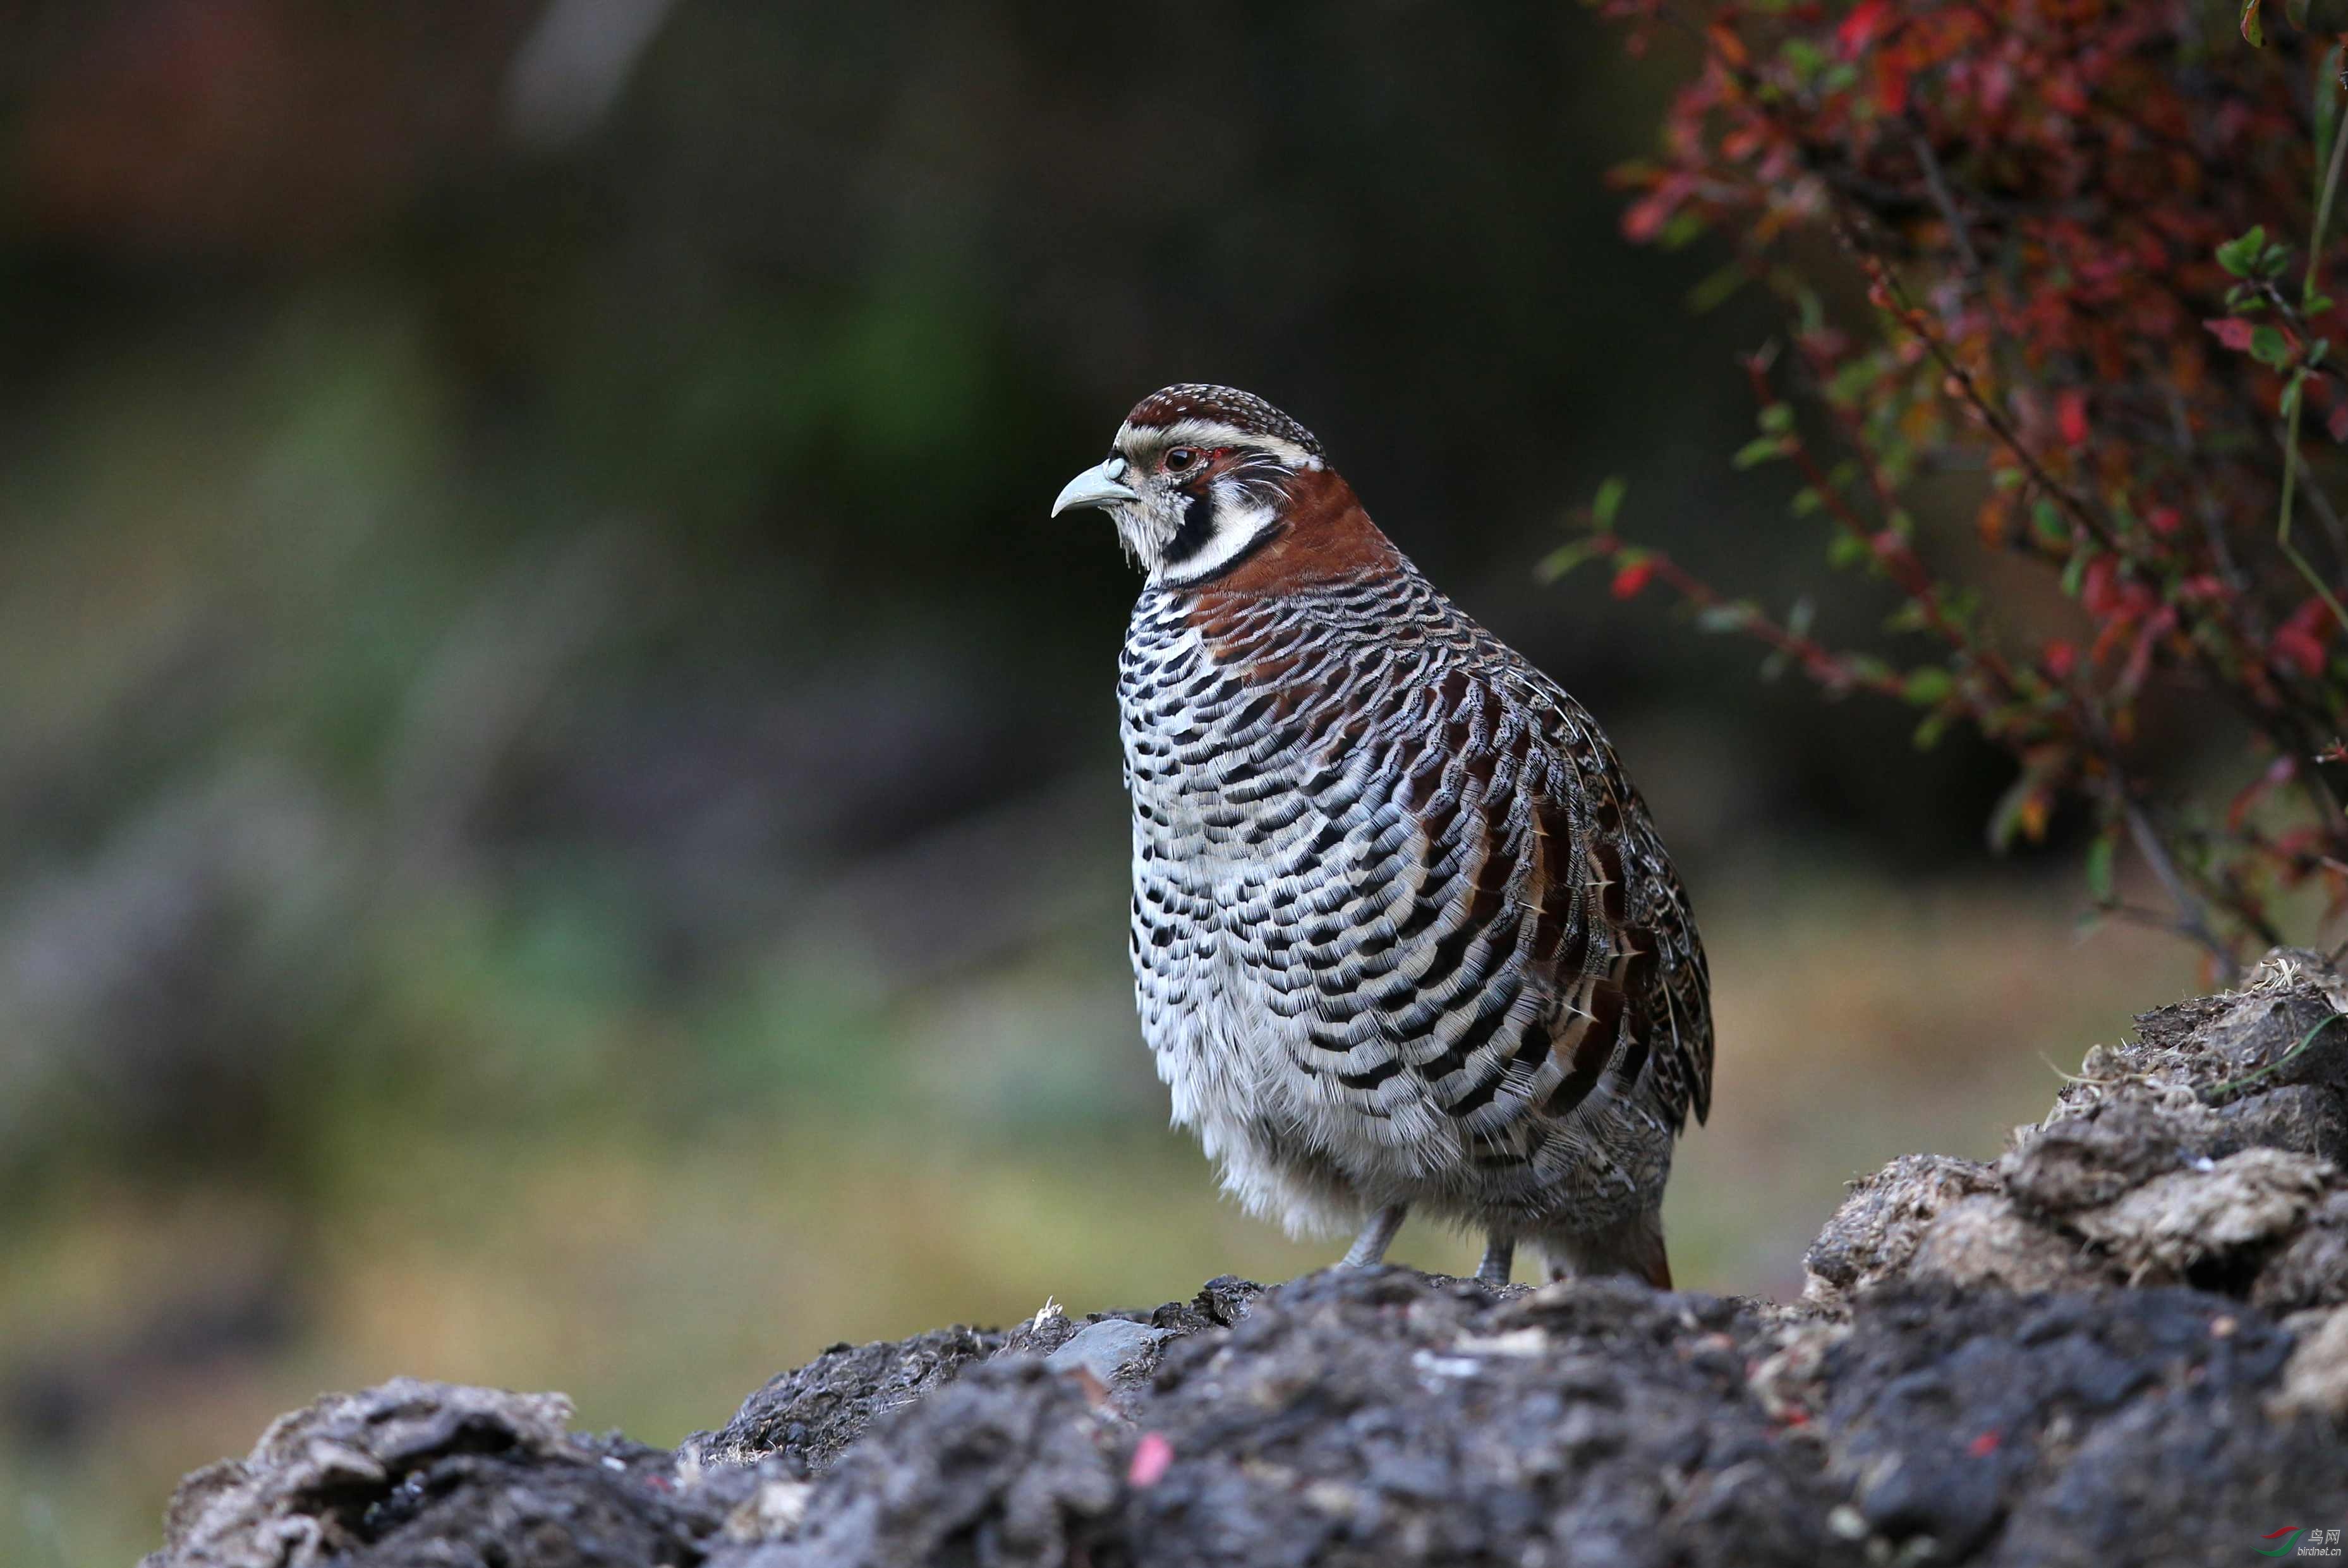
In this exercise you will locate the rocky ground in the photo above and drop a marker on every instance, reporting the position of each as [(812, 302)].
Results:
[(2126, 1341)]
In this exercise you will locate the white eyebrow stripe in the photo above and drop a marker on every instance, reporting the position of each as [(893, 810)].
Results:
[(1195, 432)]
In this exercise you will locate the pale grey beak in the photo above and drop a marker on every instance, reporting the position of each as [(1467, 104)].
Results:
[(1101, 486)]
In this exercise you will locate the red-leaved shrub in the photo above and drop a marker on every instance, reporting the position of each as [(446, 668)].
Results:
[(2093, 236)]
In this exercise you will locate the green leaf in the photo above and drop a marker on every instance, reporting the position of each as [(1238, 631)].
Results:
[(1563, 559), (1609, 500), (1805, 57), (1724, 617), (2046, 522), (1760, 449), (1778, 419), (2269, 346), (1845, 550), (1684, 228), (1798, 619), (1927, 733), (2239, 256), (1718, 289), (1927, 685), (2254, 32), (1807, 500), (2073, 574), (2099, 868)]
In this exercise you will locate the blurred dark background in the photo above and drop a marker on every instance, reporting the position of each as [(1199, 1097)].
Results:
[(559, 815)]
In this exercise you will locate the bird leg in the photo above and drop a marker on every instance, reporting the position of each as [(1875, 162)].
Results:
[(1369, 1248), (1499, 1257)]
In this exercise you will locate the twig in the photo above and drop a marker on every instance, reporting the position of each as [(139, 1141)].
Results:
[(2328, 514), (1907, 571), (1942, 198), (2298, 400), (1893, 290), (1818, 660), (2213, 517), (2192, 920)]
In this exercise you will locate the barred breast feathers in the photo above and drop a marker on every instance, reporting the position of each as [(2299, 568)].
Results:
[(1426, 857)]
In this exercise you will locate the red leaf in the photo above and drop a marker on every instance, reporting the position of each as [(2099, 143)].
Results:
[(2336, 420), (2299, 641), (2099, 588), (1633, 578), (2231, 330), (1890, 83), (1646, 217), (2062, 658), (2071, 416), (1984, 1445), (2165, 520), (1866, 19)]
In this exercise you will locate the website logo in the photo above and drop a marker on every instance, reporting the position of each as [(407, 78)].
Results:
[(2299, 1542)]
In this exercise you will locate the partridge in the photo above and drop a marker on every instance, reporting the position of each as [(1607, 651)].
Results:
[(1403, 934)]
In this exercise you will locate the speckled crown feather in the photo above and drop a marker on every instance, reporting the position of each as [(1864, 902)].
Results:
[(1224, 405)]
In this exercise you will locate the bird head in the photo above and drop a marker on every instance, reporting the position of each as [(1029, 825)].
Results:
[(1197, 478)]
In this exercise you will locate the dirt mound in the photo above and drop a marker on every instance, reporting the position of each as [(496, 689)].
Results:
[(2124, 1342), (2209, 1151)]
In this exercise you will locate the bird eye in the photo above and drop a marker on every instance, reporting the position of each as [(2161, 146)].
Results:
[(1179, 459)]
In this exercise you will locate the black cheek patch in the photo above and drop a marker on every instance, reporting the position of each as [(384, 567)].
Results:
[(1198, 528)]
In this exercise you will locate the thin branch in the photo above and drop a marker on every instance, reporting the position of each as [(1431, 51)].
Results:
[(2325, 512), (2213, 516), (2191, 919), (1938, 184), (1883, 277), (2291, 461)]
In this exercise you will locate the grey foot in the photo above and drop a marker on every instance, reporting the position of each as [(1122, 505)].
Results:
[(1499, 1257), (1369, 1248)]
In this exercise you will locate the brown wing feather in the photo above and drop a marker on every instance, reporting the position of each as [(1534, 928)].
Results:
[(1616, 941)]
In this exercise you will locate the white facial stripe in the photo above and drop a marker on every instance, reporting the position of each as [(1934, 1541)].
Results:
[(1214, 433), (1237, 525)]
